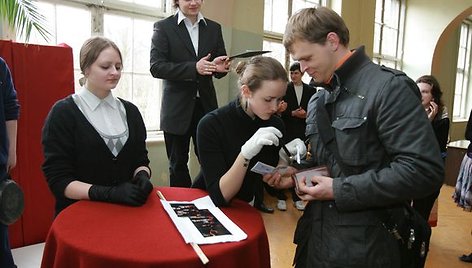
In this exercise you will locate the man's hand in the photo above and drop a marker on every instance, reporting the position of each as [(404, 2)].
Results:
[(205, 67), (222, 64), (299, 113), (322, 189), (282, 107)]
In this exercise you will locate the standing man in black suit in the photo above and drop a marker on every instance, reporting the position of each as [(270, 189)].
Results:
[(187, 50), (293, 111), (296, 97)]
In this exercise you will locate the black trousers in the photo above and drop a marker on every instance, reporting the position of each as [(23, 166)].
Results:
[(259, 192), (178, 147)]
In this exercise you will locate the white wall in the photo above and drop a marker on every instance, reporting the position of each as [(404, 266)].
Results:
[(426, 20)]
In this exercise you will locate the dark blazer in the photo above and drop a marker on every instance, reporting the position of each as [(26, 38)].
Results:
[(295, 127), (173, 59)]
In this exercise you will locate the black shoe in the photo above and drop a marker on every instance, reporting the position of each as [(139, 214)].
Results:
[(264, 209), (466, 258)]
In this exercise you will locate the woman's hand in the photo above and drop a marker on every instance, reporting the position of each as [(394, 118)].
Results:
[(432, 111), (281, 178), (263, 136)]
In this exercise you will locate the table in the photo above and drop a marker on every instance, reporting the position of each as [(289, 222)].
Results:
[(91, 234), (455, 153)]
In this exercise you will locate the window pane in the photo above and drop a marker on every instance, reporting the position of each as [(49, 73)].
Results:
[(142, 45), (300, 4), (120, 30), (389, 42), (149, 3), (462, 102), (278, 50), (268, 15), (378, 11), (376, 38), (275, 15), (132, 36), (392, 13), (388, 63), (73, 29), (457, 97), (147, 96)]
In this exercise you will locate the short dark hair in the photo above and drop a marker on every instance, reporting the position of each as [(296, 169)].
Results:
[(295, 67)]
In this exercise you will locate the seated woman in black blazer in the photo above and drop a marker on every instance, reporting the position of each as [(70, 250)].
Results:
[(233, 138)]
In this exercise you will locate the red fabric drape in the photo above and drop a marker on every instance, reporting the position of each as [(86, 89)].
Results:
[(42, 75)]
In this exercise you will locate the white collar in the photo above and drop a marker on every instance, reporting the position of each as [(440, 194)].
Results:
[(181, 17), (93, 101)]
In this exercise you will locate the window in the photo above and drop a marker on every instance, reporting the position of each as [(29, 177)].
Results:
[(276, 15), (388, 32), (129, 24), (463, 100)]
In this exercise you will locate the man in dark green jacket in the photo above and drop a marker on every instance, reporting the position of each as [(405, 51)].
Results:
[(383, 137)]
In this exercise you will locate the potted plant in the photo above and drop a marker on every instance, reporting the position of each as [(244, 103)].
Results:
[(22, 16)]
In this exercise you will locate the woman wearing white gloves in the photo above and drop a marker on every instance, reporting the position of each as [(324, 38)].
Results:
[(233, 138)]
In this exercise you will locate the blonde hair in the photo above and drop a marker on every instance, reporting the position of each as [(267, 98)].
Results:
[(313, 25), (90, 51), (258, 69)]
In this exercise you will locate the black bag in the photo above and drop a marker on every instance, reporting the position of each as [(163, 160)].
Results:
[(411, 231), (11, 201), (407, 226)]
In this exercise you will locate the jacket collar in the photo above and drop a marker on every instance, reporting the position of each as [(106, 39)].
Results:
[(180, 17), (346, 70)]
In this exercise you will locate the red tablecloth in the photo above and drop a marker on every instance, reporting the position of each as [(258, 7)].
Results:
[(94, 234)]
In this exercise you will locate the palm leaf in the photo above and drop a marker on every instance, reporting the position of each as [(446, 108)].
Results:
[(22, 16)]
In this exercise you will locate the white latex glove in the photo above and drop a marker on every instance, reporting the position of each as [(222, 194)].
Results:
[(263, 136), (293, 150)]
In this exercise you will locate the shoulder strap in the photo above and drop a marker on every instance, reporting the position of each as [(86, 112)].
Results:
[(326, 133)]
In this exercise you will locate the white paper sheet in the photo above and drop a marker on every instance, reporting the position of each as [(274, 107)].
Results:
[(206, 224)]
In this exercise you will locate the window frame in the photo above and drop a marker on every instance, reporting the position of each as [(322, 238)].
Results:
[(97, 12), (277, 37), (380, 57), (462, 96)]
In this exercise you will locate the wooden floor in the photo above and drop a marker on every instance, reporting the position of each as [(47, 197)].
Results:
[(450, 239)]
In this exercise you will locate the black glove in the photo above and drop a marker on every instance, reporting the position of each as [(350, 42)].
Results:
[(125, 193), (141, 179)]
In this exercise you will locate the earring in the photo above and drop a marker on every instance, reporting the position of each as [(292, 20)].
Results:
[(245, 105)]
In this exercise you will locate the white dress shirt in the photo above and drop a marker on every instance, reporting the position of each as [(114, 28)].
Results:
[(191, 28), (298, 92), (107, 116)]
